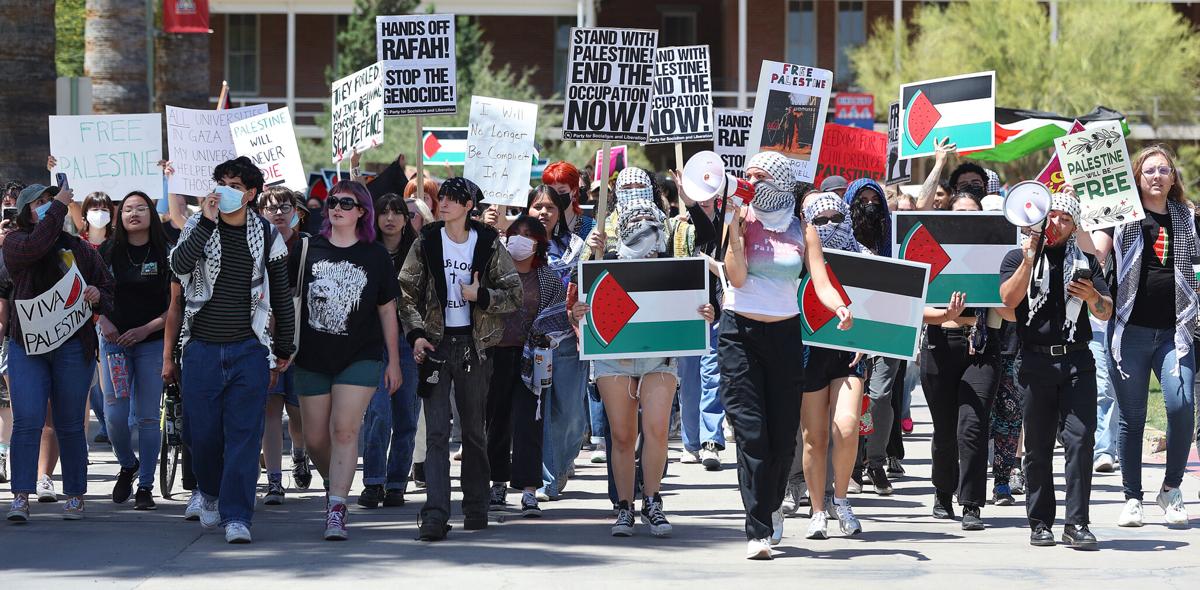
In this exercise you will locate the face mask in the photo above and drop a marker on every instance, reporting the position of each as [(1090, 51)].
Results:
[(519, 247), (231, 199), (41, 211), (976, 191), (775, 221), (626, 195), (295, 220), (873, 210), (98, 218)]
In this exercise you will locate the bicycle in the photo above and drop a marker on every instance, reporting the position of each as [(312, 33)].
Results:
[(171, 448)]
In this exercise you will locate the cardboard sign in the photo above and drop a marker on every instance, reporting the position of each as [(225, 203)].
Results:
[(617, 161), (500, 149), (682, 106), (899, 170), (729, 142), (961, 109), (610, 77), (854, 110), (852, 153), (53, 317), (113, 154), (446, 146), (270, 141), (1052, 175), (199, 140), (789, 114), (963, 249), (419, 66), (356, 112), (1097, 166)]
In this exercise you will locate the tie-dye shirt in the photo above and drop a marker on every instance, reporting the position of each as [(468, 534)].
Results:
[(773, 261)]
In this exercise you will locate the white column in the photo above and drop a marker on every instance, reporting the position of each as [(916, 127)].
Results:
[(741, 85), (579, 13), (291, 59), (590, 13)]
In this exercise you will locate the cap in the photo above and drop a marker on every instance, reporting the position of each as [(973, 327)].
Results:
[(32, 193), (833, 183)]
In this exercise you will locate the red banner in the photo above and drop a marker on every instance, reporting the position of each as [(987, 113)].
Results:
[(185, 16), (851, 153)]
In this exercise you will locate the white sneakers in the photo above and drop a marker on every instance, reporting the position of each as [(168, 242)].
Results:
[(818, 525), (846, 519), (690, 457), (236, 533), (1171, 502), (45, 489), (210, 516), (194, 506), (759, 549), (777, 527), (1131, 514), (1104, 464)]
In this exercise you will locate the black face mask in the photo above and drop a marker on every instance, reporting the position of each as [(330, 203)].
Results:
[(873, 210), (976, 191)]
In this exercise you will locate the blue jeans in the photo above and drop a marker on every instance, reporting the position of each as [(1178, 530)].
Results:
[(391, 420), (1106, 399), (701, 412), (599, 419), (224, 408), (145, 387), (1145, 350), (564, 415), (62, 378)]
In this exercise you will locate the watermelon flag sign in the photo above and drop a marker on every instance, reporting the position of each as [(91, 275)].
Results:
[(960, 108), (789, 114), (643, 308), (1052, 174), (887, 298), (963, 250), (53, 317), (444, 146), (852, 153)]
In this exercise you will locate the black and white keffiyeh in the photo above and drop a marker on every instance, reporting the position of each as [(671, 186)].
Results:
[(834, 236), (778, 166), (626, 193), (1039, 284)]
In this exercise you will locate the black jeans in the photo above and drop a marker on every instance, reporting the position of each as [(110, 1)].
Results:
[(1059, 394), (514, 430), (895, 445), (761, 375), (959, 388)]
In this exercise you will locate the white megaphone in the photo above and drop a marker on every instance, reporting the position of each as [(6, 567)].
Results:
[(1027, 204), (704, 178)]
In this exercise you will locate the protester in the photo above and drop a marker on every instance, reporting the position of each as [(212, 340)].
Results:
[(6, 417), (934, 194), (98, 219), (565, 178), (428, 196), (418, 213)]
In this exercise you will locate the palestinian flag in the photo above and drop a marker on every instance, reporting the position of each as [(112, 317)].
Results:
[(961, 109), (886, 297), (643, 308), (1019, 133), (963, 249), (444, 145)]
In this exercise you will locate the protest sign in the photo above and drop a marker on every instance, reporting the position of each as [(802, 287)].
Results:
[(617, 161), (643, 308), (961, 109), (416, 54), (500, 149), (789, 114), (610, 77), (446, 146), (729, 141), (1052, 175), (269, 140), (53, 317), (356, 112), (898, 170), (198, 140), (113, 154), (854, 110), (963, 249), (852, 153), (1097, 166), (682, 106)]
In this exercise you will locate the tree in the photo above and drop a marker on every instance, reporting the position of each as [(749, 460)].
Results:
[(115, 56), (27, 96), (68, 22)]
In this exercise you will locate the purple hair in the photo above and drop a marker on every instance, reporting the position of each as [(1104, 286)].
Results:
[(366, 223)]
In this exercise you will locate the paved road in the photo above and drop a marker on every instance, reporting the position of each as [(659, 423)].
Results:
[(570, 547)]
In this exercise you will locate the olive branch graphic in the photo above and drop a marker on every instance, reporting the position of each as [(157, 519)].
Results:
[(1105, 138)]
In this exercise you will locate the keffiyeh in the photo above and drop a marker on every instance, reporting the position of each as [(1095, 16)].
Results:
[(1039, 284), (834, 236), (773, 206), (630, 176), (640, 230), (778, 166)]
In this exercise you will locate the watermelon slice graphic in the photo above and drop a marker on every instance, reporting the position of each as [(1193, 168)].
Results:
[(816, 315), (920, 246), (920, 117), (431, 145), (612, 308), (76, 290)]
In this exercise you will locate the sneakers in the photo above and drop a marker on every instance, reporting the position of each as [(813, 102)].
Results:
[(73, 509), (600, 454), (1002, 495), (777, 527), (18, 511), (1016, 481), (499, 496), (856, 482), (793, 497), (124, 486), (144, 500), (210, 516), (1079, 538), (652, 515), (710, 456), (457, 456), (894, 467), (236, 533), (335, 523), (758, 549), (690, 457), (1041, 537), (943, 506), (879, 480), (194, 507), (1171, 502), (371, 496), (1131, 514), (45, 489), (274, 496), (432, 531), (818, 526), (623, 527), (846, 519), (906, 425), (393, 499), (4, 467), (1103, 464), (971, 520), (301, 473), (418, 475), (529, 505)]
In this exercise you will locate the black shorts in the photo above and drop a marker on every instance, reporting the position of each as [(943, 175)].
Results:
[(823, 365)]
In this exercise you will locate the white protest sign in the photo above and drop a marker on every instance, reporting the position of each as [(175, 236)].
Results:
[(789, 114), (199, 140), (610, 76), (682, 106), (500, 149), (729, 142), (418, 61), (356, 112), (899, 170), (53, 317), (1096, 164), (113, 154), (270, 141)]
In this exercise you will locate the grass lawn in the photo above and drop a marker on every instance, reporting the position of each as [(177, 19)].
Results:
[(1156, 413)]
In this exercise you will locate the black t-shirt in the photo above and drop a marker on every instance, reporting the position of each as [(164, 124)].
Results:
[(1047, 326), (343, 289), (1154, 306), (143, 285)]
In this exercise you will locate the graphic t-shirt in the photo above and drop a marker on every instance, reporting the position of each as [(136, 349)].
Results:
[(773, 264), (343, 289), (456, 260), (143, 290), (1154, 306)]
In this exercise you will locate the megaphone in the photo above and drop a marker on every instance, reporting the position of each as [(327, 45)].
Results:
[(1027, 204), (704, 178)]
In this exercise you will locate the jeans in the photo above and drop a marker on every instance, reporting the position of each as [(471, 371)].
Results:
[(884, 372), (596, 415), (224, 410), (96, 397), (1145, 350), (143, 367), (391, 422), (1106, 399), (62, 378), (700, 409), (564, 415)]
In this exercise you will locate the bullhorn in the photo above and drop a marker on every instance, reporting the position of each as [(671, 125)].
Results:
[(704, 178), (1027, 204)]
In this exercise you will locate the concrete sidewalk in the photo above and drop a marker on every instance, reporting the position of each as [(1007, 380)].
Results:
[(902, 546)]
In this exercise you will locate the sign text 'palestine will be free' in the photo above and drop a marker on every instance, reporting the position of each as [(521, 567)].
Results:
[(417, 55), (610, 80)]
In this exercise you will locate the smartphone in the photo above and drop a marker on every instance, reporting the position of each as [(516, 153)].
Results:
[(10, 213), (61, 179), (1082, 274)]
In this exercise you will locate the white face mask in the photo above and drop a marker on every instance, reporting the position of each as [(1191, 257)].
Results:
[(98, 218), (519, 247)]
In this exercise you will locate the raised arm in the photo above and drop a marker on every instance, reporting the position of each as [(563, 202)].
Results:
[(928, 190)]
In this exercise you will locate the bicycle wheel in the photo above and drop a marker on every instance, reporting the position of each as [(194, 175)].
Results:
[(168, 466)]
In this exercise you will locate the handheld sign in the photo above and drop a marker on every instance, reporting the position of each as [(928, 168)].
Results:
[(610, 76), (682, 106), (270, 141), (961, 109), (733, 129), (789, 114), (899, 170), (356, 112), (419, 66), (500, 149), (53, 317), (851, 152), (198, 140), (618, 158), (113, 154), (1097, 166), (1052, 175), (854, 110), (963, 249)]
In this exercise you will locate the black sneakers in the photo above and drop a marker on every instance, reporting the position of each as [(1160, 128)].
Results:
[(124, 486), (393, 499), (971, 521), (879, 480), (371, 496), (529, 505), (499, 496), (653, 516), (943, 506), (144, 500), (1079, 537), (301, 473), (1041, 536), (432, 531), (623, 527)]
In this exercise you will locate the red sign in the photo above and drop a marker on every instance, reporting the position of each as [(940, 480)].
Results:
[(1052, 174), (851, 153), (185, 16)]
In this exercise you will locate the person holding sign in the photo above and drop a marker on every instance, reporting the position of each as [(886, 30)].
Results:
[(51, 352)]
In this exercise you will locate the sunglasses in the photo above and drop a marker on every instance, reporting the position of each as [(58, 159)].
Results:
[(346, 203), (277, 209), (835, 218), (1161, 170)]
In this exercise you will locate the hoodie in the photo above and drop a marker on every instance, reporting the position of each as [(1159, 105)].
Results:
[(884, 247)]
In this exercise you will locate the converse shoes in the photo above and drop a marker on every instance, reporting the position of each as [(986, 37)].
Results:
[(652, 515), (195, 506), (301, 473), (274, 496), (335, 523), (623, 527)]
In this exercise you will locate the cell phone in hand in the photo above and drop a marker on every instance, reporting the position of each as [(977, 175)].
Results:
[(61, 179), (1082, 274), (10, 213)]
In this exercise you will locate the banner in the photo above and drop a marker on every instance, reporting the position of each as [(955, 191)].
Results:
[(1097, 166), (500, 150), (886, 297), (419, 66), (618, 159), (851, 153), (729, 142), (789, 114), (961, 109), (446, 146), (963, 249), (112, 154), (854, 110), (198, 140), (185, 16), (270, 141), (610, 77), (1052, 175), (899, 171), (643, 308), (53, 317), (356, 112), (682, 106)]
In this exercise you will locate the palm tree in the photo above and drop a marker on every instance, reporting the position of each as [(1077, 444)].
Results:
[(27, 96), (181, 71), (115, 56)]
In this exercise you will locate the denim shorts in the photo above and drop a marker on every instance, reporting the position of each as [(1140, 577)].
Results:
[(632, 367), (359, 373), (285, 386)]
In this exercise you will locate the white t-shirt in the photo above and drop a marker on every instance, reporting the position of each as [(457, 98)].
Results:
[(456, 259)]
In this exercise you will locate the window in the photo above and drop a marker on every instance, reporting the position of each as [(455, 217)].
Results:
[(802, 32), (241, 53), (562, 43), (851, 32), (678, 27)]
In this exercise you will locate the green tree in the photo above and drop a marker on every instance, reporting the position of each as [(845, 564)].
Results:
[(68, 23)]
